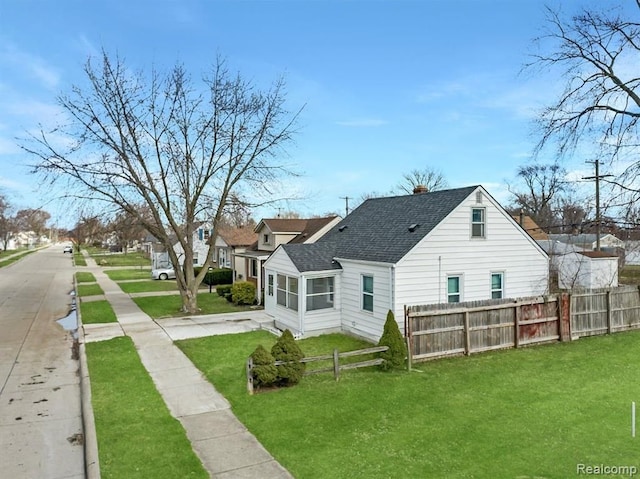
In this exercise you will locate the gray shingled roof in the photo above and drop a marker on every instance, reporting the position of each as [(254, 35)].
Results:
[(378, 230)]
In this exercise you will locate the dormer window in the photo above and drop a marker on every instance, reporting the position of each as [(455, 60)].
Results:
[(266, 238), (478, 222)]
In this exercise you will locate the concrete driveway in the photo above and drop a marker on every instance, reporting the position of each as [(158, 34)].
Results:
[(41, 433)]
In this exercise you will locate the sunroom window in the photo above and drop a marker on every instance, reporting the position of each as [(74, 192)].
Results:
[(319, 293)]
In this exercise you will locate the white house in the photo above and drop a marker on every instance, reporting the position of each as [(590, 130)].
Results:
[(589, 241), (445, 246), (271, 233)]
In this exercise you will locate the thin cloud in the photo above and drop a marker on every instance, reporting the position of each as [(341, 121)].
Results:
[(34, 66)]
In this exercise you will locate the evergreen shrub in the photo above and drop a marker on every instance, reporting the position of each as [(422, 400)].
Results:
[(264, 369), (394, 357), (286, 349)]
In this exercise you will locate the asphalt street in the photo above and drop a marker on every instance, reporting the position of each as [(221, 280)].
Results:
[(41, 434)]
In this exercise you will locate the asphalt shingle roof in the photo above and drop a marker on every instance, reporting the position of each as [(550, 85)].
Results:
[(379, 229)]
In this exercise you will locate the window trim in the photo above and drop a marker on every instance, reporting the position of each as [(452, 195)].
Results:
[(482, 223), (266, 238), (364, 293)]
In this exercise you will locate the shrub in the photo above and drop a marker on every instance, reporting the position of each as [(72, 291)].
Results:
[(215, 276), (286, 349), (223, 289), (264, 369), (243, 292), (394, 356)]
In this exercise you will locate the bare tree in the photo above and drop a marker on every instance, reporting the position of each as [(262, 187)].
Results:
[(32, 220), (7, 222), (598, 53), (542, 185), (431, 179), (127, 228), (180, 151)]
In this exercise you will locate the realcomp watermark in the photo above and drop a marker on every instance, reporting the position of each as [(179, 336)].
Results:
[(605, 470)]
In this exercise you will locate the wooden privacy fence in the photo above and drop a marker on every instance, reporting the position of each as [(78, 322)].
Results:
[(334, 357), (465, 328), (439, 330), (605, 311)]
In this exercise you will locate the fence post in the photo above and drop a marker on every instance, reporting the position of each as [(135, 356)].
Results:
[(467, 341), (564, 312), (609, 312), (336, 365), (250, 375), (516, 326), (409, 353)]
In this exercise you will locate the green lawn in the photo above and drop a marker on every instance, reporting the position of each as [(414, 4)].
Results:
[(79, 260), (89, 290), (13, 259), (85, 277), (95, 312), (137, 437), (533, 412), (127, 274), (121, 259), (630, 275), (169, 306), (148, 286)]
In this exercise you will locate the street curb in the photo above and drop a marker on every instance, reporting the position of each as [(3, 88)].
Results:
[(91, 458)]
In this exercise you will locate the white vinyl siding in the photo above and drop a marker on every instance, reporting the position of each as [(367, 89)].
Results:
[(421, 276)]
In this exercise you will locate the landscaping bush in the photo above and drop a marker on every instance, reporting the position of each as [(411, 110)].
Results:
[(286, 349), (243, 292), (223, 290), (215, 276), (264, 369), (394, 356)]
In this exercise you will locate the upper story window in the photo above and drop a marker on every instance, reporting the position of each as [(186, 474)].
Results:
[(266, 238), (478, 222)]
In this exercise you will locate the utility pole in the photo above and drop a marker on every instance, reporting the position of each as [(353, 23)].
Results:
[(597, 177), (346, 199)]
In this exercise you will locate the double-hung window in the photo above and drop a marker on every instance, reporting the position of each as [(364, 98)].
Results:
[(497, 285), (319, 293), (367, 293), (478, 222), (453, 289)]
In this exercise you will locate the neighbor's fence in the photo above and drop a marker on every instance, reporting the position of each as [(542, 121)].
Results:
[(440, 330), (605, 311), (334, 357)]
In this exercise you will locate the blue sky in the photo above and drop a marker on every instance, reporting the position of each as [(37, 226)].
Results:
[(388, 86)]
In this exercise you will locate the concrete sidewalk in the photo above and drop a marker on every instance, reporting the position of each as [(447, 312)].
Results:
[(225, 447)]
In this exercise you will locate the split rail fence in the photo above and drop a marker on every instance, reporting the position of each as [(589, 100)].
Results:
[(440, 330)]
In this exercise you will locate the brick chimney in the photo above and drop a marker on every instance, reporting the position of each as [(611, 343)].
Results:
[(420, 189)]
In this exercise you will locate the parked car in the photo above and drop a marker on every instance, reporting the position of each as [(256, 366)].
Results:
[(163, 273), (68, 249)]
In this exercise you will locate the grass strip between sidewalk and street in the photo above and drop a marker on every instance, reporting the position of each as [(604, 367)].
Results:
[(149, 286), (531, 412), (170, 306), (137, 436), (17, 257), (96, 312)]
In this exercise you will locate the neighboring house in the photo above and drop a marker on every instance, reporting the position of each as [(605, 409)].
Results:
[(160, 257), (632, 253), (572, 267), (530, 227), (273, 233), (232, 241), (589, 242), (444, 246)]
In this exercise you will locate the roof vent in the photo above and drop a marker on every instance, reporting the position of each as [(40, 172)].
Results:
[(342, 228), (413, 227), (418, 189)]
